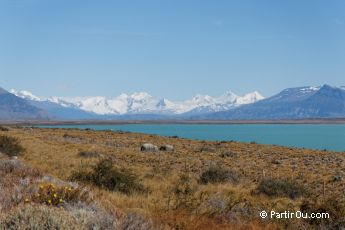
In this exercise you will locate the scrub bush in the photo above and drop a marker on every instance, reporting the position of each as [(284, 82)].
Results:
[(10, 146)]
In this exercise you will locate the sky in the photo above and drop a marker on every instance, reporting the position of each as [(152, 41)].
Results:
[(170, 48)]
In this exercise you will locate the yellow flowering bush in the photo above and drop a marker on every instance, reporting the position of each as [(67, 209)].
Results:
[(51, 194)]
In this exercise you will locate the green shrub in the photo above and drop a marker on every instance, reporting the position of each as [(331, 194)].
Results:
[(10, 146), (105, 175), (216, 174), (183, 193), (281, 188)]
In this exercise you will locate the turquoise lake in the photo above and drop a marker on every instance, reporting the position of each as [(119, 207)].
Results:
[(320, 136)]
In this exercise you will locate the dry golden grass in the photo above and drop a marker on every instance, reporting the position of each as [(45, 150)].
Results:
[(56, 152)]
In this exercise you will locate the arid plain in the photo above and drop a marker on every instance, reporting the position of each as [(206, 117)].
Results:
[(198, 185)]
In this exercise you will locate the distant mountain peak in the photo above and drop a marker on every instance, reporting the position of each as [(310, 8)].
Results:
[(249, 98), (255, 95), (227, 97), (164, 104), (328, 87)]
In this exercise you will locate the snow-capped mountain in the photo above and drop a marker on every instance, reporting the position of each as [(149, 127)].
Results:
[(144, 103), (291, 103), (98, 105), (227, 101)]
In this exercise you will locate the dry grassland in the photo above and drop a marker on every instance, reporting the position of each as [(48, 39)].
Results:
[(176, 198)]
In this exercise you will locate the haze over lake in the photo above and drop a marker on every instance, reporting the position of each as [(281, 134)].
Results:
[(320, 136)]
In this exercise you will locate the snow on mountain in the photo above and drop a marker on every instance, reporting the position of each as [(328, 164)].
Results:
[(60, 101), (197, 101), (310, 89), (141, 103), (144, 103), (227, 101), (294, 93), (98, 105), (25, 95), (120, 103), (249, 98), (228, 97)]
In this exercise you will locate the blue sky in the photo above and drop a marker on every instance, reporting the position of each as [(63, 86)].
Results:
[(170, 48)]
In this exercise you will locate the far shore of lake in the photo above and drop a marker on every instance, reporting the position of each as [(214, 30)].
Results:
[(119, 122)]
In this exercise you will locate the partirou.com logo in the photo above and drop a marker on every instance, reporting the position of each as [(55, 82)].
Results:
[(293, 214)]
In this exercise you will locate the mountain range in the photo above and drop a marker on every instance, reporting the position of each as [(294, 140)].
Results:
[(138, 103), (292, 103)]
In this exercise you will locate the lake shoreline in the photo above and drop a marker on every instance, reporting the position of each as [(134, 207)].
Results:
[(312, 136), (197, 122)]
